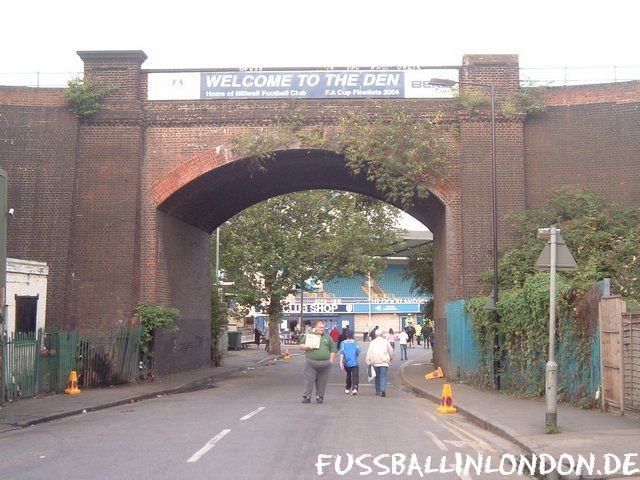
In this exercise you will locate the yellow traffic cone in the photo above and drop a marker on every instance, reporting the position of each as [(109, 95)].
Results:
[(72, 387), (286, 354), (438, 373), (446, 404)]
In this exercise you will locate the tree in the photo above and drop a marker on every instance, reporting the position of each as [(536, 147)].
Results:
[(420, 269), (269, 248)]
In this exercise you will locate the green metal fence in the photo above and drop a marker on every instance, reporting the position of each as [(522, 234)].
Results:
[(36, 363), (20, 364)]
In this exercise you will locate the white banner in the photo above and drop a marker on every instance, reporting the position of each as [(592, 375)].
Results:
[(309, 84)]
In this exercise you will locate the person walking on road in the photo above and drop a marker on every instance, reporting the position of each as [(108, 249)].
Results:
[(256, 338), (265, 335), (343, 336), (403, 339), (391, 338), (348, 353), (318, 364), (373, 333), (379, 355)]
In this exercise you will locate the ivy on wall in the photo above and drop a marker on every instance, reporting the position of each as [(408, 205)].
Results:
[(605, 240), (395, 151)]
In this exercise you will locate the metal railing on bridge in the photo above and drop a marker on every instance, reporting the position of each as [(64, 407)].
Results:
[(529, 76)]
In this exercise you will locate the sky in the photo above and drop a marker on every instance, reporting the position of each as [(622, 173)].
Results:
[(44, 36), (39, 36)]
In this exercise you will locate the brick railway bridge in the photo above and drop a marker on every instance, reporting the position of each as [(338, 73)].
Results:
[(122, 205)]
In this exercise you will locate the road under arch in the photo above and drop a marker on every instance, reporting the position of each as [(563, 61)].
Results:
[(186, 217)]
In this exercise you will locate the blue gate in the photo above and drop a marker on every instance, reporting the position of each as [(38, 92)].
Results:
[(463, 348)]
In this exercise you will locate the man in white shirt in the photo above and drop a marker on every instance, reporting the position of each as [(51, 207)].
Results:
[(403, 339), (379, 355)]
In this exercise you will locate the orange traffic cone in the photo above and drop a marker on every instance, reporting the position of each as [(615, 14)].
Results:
[(446, 404), (438, 373), (72, 387), (286, 354)]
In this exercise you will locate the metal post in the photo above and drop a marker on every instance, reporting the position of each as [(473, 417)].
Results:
[(218, 255), (369, 299), (552, 366), (301, 305), (494, 218)]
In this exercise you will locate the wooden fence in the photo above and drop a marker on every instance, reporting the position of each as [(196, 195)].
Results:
[(620, 340)]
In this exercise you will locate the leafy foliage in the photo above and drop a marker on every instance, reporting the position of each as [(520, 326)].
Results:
[(395, 151), (533, 99), (152, 317), (219, 322), (269, 248), (471, 100), (85, 98), (420, 269), (604, 238), (530, 100)]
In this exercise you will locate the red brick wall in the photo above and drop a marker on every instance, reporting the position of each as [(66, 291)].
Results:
[(623, 92), (103, 263), (185, 278), (502, 72), (38, 137), (594, 146)]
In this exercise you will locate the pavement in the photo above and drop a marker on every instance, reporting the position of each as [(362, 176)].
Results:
[(31, 411), (521, 421)]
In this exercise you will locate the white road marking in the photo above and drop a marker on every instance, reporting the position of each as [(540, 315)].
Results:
[(432, 417), (249, 415), (437, 441), (462, 475), (469, 437), (209, 445), (456, 443)]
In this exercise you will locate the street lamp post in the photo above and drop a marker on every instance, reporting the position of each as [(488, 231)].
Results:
[(300, 327), (494, 216)]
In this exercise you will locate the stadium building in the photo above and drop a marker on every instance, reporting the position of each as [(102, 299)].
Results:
[(360, 302)]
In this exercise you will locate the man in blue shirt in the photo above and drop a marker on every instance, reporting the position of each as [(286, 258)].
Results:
[(349, 351)]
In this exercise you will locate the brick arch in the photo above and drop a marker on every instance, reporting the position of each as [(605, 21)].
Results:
[(189, 171), (194, 190)]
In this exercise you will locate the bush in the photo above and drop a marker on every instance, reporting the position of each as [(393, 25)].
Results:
[(85, 98)]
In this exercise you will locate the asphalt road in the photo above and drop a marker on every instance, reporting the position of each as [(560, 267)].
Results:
[(254, 426)]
